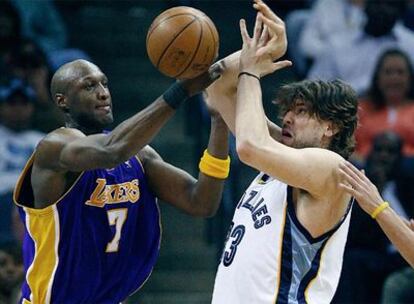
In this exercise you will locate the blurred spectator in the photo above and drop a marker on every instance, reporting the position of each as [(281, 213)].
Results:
[(42, 23), (389, 104), (399, 287), (409, 15), (17, 142), (369, 256), (9, 33), (11, 272), (328, 20), (353, 61), (29, 63)]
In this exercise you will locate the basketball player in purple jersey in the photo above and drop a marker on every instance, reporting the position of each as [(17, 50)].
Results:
[(88, 197)]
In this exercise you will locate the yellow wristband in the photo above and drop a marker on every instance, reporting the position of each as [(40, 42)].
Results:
[(213, 166), (379, 209)]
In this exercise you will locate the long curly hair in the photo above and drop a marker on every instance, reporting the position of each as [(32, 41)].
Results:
[(333, 101)]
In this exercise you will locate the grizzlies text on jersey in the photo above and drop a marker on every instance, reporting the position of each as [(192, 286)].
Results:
[(269, 257)]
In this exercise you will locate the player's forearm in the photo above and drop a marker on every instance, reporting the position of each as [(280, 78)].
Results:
[(251, 123), (207, 192), (221, 95), (136, 132), (398, 233)]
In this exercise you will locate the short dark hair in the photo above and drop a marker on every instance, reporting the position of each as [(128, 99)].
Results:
[(374, 92), (333, 101)]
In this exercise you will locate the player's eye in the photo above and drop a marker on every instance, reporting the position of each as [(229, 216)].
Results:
[(89, 87)]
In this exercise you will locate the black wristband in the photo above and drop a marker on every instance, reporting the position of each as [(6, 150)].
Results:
[(248, 74), (175, 95)]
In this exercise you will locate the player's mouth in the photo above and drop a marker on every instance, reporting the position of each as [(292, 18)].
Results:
[(286, 133), (104, 108)]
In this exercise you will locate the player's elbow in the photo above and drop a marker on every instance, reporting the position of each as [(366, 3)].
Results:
[(245, 150)]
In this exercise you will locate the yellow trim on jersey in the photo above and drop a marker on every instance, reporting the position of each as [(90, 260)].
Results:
[(140, 162), (280, 250), (44, 211), (26, 302), (19, 183), (44, 231)]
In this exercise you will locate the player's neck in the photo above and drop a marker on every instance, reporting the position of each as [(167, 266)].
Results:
[(85, 129)]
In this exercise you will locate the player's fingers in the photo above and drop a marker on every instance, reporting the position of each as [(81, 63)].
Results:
[(349, 178), (264, 36), (355, 171), (243, 31), (347, 188), (276, 28), (281, 65), (215, 71), (258, 27), (266, 11), (352, 171)]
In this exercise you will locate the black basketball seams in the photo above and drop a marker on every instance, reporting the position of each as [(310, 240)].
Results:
[(172, 40), (196, 50)]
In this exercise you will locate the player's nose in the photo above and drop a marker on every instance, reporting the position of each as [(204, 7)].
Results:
[(103, 92), (288, 117)]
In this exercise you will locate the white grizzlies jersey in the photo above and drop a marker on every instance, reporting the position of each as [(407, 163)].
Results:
[(269, 257)]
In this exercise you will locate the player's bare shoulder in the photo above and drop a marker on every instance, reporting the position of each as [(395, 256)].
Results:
[(49, 148), (325, 165)]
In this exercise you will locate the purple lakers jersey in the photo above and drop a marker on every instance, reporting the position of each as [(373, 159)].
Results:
[(97, 244)]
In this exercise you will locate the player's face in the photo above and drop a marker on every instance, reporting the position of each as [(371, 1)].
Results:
[(394, 78), (301, 129), (89, 99)]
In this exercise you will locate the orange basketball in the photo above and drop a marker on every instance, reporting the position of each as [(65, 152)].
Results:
[(182, 42)]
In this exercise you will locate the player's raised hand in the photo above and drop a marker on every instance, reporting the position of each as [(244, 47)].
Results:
[(359, 186), (254, 58), (277, 42), (201, 82)]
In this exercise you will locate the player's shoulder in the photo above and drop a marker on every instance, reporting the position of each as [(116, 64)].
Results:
[(54, 141), (61, 136), (326, 155)]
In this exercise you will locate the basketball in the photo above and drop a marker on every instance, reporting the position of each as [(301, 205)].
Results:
[(182, 42)]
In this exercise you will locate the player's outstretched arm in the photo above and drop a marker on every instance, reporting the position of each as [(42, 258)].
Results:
[(221, 95), (366, 193), (71, 150), (255, 146), (196, 197)]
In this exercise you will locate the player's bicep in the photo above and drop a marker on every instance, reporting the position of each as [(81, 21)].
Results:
[(308, 169), (71, 150)]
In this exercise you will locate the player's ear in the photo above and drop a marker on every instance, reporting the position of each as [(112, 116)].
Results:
[(331, 129), (60, 100)]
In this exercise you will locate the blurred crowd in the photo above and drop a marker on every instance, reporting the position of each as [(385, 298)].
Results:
[(33, 44), (367, 43)]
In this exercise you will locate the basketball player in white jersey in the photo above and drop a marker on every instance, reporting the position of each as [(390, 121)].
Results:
[(287, 238)]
